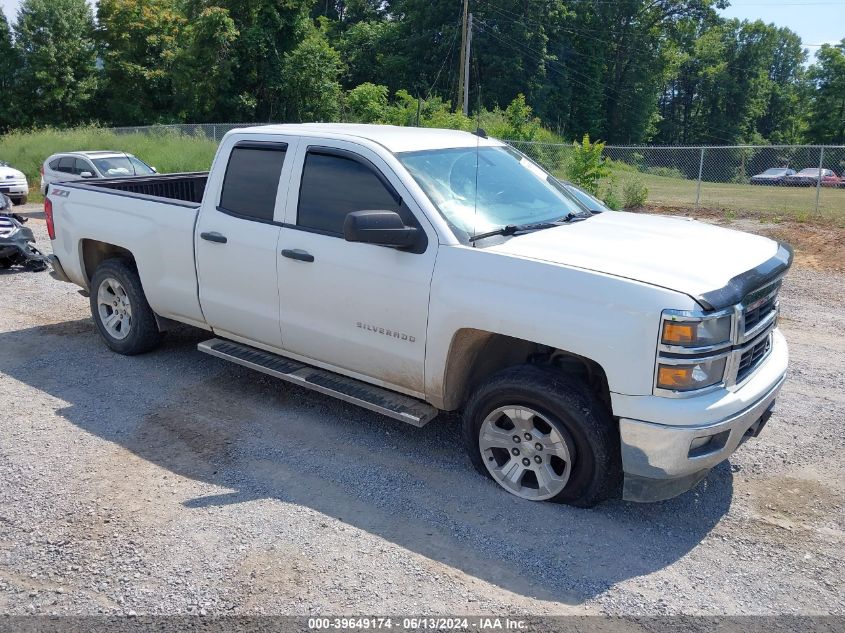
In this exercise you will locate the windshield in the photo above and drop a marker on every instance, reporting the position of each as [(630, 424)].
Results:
[(587, 199), (122, 166), (774, 172), (3, 163), (483, 189)]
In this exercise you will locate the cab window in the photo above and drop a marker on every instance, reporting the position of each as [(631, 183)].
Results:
[(252, 180), (335, 184)]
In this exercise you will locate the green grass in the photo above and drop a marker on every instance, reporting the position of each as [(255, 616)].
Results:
[(792, 203), (167, 151)]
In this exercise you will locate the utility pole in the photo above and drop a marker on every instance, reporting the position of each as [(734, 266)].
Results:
[(466, 66), (463, 55)]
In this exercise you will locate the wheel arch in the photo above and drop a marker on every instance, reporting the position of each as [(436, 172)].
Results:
[(94, 252), (475, 355)]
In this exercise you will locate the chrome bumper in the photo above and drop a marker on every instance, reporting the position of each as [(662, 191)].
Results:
[(660, 462)]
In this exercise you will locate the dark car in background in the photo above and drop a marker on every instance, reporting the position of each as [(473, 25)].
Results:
[(773, 176)]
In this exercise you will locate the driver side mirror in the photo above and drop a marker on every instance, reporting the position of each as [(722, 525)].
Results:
[(384, 228), (86, 174)]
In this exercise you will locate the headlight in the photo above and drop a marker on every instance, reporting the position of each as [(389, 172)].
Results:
[(693, 351), (691, 375), (699, 332)]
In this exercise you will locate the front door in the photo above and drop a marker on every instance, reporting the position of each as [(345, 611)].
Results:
[(359, 308), (237, 236)]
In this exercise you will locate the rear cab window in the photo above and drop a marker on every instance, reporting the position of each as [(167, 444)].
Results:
[(252, 180)]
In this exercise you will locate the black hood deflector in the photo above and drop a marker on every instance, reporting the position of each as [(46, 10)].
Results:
[(738, 287)]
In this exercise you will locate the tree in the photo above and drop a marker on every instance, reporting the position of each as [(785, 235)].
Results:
[(54, 40), (139, 42), (733, 82), (368, 51), (204, 67), (827, 113), (367, 103), (587, 166), (8, 67), (309, 89), (268, 30)]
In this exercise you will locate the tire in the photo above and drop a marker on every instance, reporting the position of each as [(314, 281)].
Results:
[(117, 280), (20, 201), (561, 405)]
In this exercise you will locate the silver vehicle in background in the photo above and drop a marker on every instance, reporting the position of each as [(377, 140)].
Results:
[(773, 176), (86, 165)]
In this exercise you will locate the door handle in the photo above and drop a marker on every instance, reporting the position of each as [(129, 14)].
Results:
[(214, 236), (298, 254)]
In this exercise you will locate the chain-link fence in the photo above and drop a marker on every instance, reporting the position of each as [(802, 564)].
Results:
[(771, 180), (211, 131)]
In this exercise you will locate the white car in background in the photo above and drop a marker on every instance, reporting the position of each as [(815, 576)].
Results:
[(100, 164), (13, 183)]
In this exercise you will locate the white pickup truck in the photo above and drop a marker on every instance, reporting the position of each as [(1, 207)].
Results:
[(412, 271)]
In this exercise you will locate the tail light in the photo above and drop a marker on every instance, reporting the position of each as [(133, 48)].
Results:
[(48, 214)]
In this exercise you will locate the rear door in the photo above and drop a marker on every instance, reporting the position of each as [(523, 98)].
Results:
[(65, 169), (356, 307), (236, 238)]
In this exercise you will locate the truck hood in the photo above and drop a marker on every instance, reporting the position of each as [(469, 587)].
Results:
[(713, 265), (9, 173)]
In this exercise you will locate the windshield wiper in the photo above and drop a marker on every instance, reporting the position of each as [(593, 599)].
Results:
[(513, 229)]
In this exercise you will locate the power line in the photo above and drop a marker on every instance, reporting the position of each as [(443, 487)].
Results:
[(443, 65)]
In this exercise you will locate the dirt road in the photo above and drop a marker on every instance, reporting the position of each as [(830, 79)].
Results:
[(175, 483)]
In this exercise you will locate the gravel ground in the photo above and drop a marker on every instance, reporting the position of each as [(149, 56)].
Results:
[(177, 483)]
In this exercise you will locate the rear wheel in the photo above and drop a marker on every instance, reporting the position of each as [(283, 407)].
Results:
[(20, 201), (124, 318), (542, 435)]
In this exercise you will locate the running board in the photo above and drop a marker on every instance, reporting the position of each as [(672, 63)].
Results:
[(378, 399)]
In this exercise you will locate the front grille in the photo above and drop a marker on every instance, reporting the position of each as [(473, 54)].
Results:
[(7, 227), (752, 356), (759, 308)]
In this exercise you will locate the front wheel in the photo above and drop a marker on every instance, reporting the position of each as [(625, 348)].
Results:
[(124, 318), (20, 201), (542, 435)]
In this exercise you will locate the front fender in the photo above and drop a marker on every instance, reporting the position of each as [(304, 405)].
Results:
[(609, 320)]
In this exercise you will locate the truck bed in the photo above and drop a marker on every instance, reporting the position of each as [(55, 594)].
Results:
[(185, 187), (152, 217)]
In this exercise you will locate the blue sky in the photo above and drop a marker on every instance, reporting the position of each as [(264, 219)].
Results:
[(816, 21)]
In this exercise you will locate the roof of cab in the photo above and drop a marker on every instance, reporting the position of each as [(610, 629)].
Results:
[(395, 138)]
